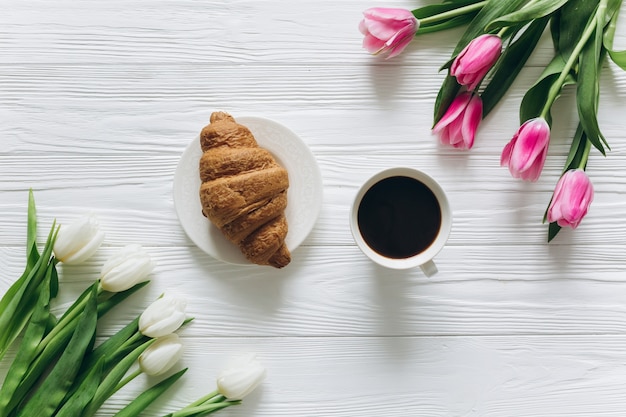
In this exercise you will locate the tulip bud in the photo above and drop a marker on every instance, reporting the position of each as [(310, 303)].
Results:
[(160, 356), (387, 30), (526, 153), (241, 377), (459, 124), (126, 268), (79, 241), (163, 316), (572, 196), (475, 60)]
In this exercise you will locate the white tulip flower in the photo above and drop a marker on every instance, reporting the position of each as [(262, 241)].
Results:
[(126, 268), (163, 316), (241, 378), (77, 242), (160, 356)]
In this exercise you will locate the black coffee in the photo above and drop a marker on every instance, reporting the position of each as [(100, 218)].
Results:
[(399, 217)]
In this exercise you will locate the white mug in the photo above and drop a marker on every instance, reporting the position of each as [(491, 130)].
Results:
[(387, 206)]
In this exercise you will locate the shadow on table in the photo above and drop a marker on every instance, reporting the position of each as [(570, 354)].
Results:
[(396, 298), (257, 291)]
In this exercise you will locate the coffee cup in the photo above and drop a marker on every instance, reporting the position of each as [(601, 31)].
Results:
[(401, 219)]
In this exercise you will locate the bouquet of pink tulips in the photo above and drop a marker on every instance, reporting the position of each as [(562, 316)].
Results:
[(499, 39)]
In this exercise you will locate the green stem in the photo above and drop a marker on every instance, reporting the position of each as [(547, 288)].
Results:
[(76, 312), (126, 380), (585, 156), (203, 410), (506, 29), (134, 338), (216, 399), (555, 88), (452, 13), (206, 398)]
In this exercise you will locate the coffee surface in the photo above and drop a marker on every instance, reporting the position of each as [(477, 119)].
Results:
[(399, 217)]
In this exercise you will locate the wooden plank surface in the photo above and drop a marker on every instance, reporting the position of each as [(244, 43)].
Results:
[(99, 99)]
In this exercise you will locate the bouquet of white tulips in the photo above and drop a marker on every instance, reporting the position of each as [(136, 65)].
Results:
[(58, 370)]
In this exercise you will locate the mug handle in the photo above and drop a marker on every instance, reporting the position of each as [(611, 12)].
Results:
[(429, 268)]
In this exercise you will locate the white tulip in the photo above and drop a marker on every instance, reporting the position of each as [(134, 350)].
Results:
[(126, 268), (163, 316), (79, 241), (241, 378), (160, 356)]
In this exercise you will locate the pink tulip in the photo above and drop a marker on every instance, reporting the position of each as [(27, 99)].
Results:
[(526, 153), (475, 60), (571, 200), (458, 125), (388, 30)]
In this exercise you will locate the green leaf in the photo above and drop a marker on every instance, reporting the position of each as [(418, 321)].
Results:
[(446, 25), (535, 98), (462, 2), (553, 230), (57, 383), (105, 305), (577, 150), (110, 352), (447, 93), (438, 17), (618, 58), (534, 10), (588, 91), (53, 348), (28, 301), (489, 12), (18, 302), (55, 342), (79, 304), (437, 9), (54, 279), (511, 63), (8, 306), (555, 28), (573, 19), (109, 383), (76, 403), (113, 343), (42, 362), (611, 12), (149, 396), (32, 255), (35, 331), (52, 321)]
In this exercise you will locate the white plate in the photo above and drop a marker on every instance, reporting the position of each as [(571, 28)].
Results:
[(304, 196)]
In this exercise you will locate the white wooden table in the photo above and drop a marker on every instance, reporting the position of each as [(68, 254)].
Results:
[(98, 99)]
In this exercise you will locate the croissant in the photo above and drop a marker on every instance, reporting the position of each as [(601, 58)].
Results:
[(244, 191)]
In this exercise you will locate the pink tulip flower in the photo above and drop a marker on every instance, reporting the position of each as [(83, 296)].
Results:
[(475, 60), (388, 30), (458, 125), (571, 200), (526, 153)]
